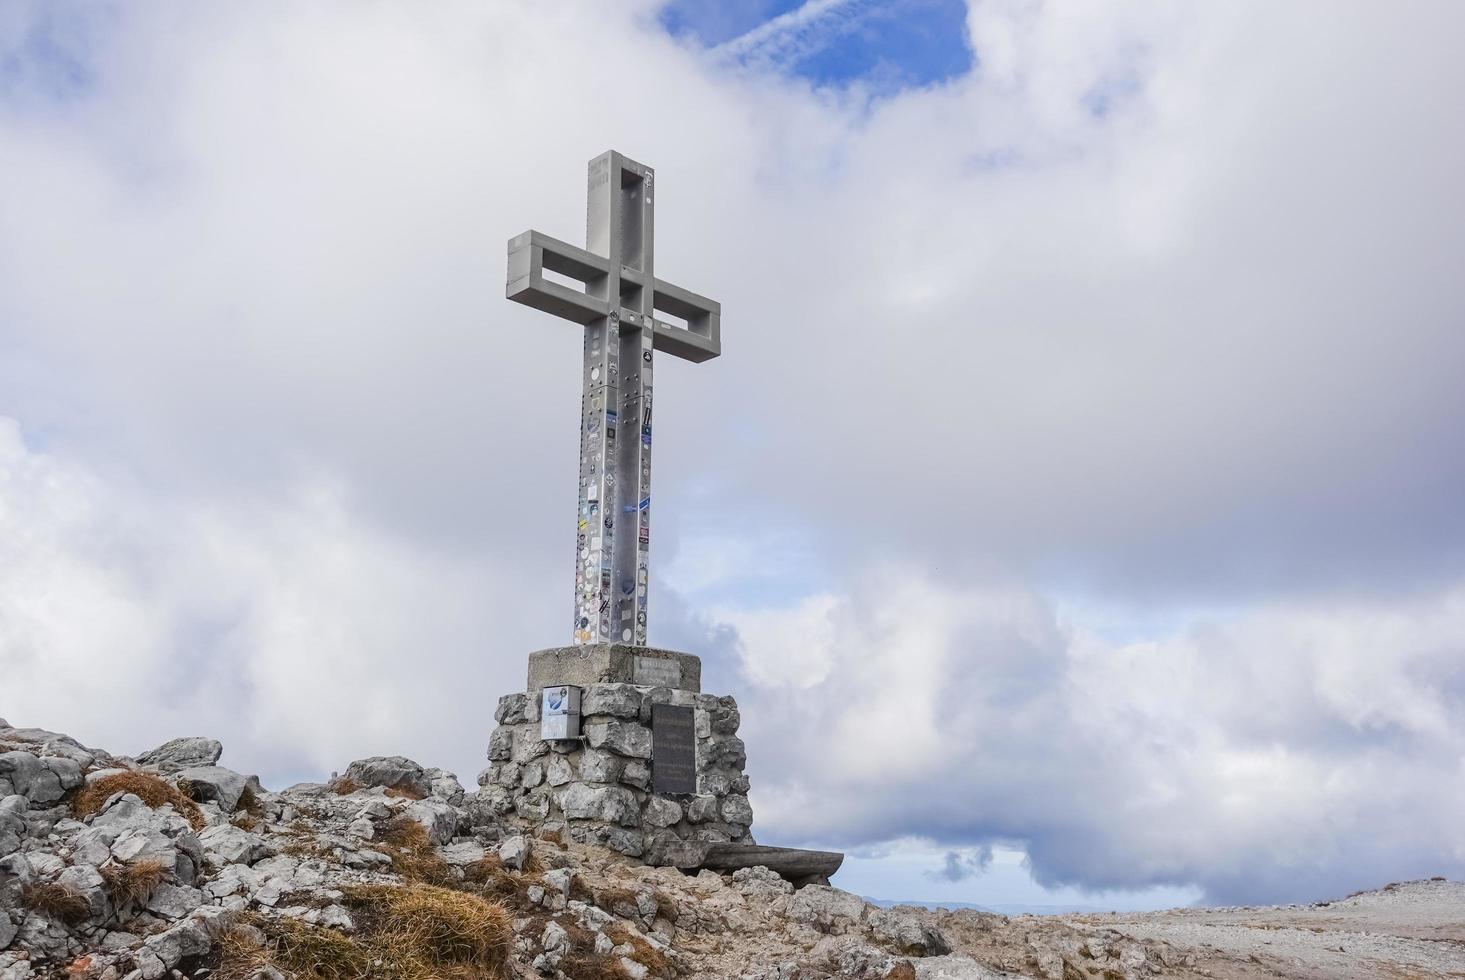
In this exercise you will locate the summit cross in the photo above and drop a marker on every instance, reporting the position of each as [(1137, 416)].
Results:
[(615, 294)]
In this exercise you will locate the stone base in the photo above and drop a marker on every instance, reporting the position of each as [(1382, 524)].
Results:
[(597, 789), (614, 663)]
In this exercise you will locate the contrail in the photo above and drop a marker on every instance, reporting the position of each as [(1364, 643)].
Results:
[(768, 39)]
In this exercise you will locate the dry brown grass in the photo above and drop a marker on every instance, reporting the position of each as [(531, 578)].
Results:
[(245, 821), (653, 959), (666, 906), (617, 901), (582, 962), (901, 971), (145, 786), (413, 856), (314, 952), (580, 891), (250, 804), (239, 952), (309, 847), (590, 965), (344, 786), (60, 902), (437, 925), (408, 932), (487, 876), (134, 883)]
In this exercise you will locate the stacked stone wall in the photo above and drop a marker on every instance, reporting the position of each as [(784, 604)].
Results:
[(598, 788)]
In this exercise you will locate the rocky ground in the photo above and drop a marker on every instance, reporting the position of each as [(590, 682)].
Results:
[(169, 865)]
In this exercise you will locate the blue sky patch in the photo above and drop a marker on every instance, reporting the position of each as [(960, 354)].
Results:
[(886, 44), (46, 58)]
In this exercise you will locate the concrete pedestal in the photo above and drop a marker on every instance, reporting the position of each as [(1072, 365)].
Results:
[(614, 663)]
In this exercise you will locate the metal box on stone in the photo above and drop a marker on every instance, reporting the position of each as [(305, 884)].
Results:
[(559, 712)]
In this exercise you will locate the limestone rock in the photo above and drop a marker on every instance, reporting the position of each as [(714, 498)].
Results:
[(597, 766), (12, 825), (954, 967), (391, 771), (227, 844), (722, 751), (216, 784), (737, 809), (39, 780), (637, 774), (615, 700), (178, 754), (612, 804), (444, 786), (662, 812), (624, 738), (533, 807), (174, 901), (760, 885), (902, 929), (558, 771), (501, 745), (515, 851), (188, 938), (827, 909), (511, 708), (702, 808), (721, 713), (438, 818), (46, 745), (463, 852)]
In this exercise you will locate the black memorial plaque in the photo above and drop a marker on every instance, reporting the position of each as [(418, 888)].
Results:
[(673, 749)]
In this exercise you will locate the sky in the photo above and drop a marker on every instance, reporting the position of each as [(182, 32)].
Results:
[(1075, 510)]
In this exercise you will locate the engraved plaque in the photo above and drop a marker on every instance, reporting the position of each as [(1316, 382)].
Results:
[(673, 749), (656, 672)]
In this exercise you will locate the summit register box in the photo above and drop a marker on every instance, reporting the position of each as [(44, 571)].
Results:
[(559, 712)]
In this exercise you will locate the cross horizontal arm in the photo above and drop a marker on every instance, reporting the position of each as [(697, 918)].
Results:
[(533, 252), (702, 338)]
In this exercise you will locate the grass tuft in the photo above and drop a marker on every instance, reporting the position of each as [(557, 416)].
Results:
[(240, 951), (60, 902), (487, 876), (653, 959), (405, 932), (344, 786), (312, 951), (145, 786), (413, 856), (617, 901), (583, 962), (134, 883), (436, 926)]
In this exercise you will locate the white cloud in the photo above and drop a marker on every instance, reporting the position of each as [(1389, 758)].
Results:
[(1246, 757)]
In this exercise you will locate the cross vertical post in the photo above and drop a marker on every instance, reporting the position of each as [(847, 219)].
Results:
[(618, 305)]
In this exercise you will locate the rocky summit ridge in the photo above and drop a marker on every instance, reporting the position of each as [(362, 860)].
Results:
[(168, 864)]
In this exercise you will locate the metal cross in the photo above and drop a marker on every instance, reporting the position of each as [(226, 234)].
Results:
[(616, 295)]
